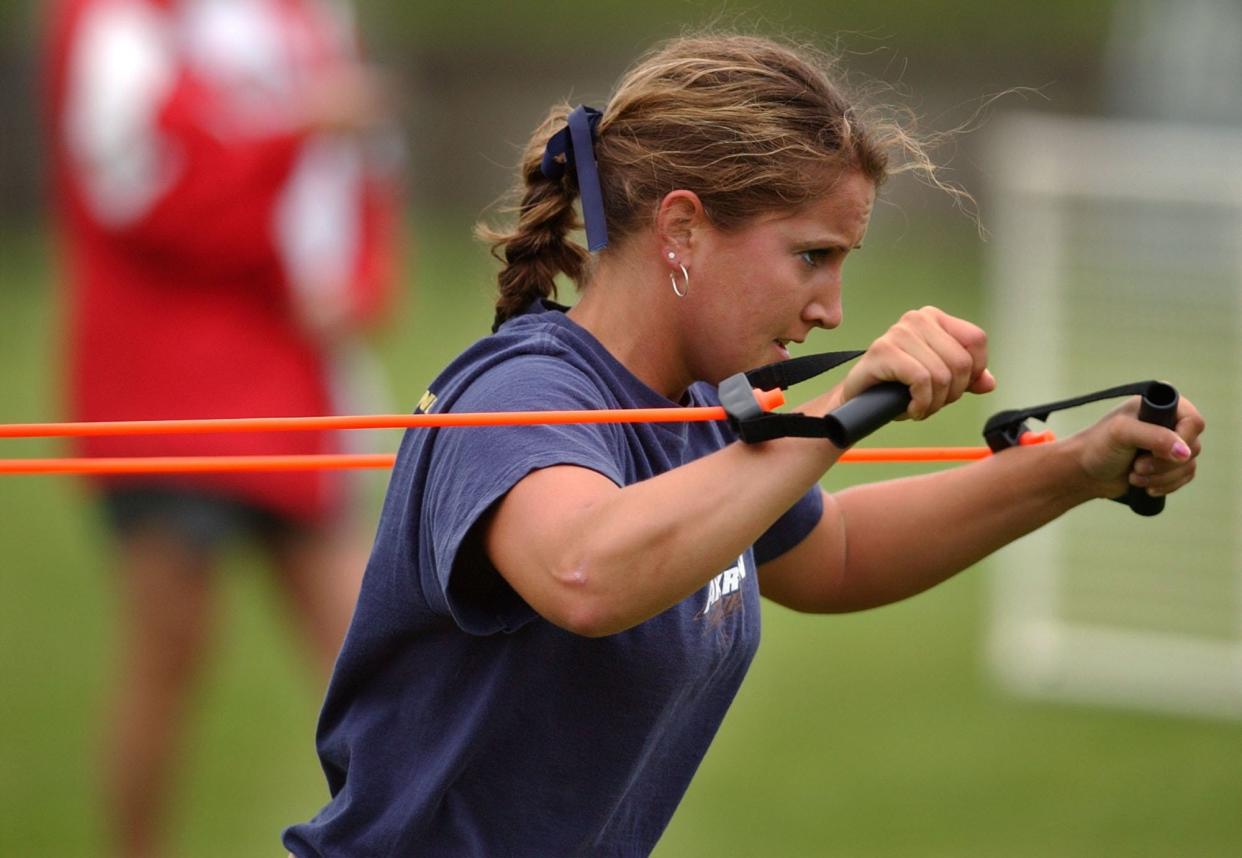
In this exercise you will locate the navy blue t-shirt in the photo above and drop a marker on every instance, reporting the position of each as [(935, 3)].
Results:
[(459, 722)]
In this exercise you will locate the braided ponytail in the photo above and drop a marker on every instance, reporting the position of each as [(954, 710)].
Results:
[(537, 248)]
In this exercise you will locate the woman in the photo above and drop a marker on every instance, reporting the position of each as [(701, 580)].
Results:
[(555, 619), (229, 236)]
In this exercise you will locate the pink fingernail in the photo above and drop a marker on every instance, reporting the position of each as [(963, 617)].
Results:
[(1181, 451)]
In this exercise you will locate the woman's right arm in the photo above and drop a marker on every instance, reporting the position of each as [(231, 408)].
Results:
[(596, 559)]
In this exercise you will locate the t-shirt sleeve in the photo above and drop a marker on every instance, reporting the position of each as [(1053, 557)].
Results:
[(795, 524), (471, 469), (792, 527)]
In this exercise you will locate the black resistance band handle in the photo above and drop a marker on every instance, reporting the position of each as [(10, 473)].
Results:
[(867, 412), (1159, 406)]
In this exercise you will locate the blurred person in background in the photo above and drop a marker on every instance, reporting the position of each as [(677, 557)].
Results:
[(226, 187), (555, 619)]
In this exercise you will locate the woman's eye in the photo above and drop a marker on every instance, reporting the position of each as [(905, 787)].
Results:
[(814, 258)]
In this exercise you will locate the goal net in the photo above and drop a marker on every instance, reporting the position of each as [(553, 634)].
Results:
[(1116, 256)]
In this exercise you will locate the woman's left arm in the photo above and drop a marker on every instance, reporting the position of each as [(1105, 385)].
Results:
[(882, 542)]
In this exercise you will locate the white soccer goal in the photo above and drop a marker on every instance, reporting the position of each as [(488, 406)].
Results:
[(1116, 256)]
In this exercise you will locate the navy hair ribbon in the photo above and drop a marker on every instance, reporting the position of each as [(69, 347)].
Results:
[(574, 146)]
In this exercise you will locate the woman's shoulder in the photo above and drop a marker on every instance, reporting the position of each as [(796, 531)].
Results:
[(524, 365)]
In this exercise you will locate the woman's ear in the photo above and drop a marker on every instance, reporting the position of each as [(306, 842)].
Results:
[(678, 219)]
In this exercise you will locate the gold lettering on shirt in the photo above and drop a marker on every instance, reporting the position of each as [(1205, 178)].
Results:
[(427, 400)]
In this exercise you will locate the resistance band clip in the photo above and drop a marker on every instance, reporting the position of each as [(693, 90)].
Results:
[(844, 427), (752, 422)]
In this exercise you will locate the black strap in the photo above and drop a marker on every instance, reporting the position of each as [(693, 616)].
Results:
[(752, 424), (844, 427), (1158, 406), (876, 406), (1004, 429), (786, 373), (768, 426)]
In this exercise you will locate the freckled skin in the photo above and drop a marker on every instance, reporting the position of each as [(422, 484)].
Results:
[(779, 277)]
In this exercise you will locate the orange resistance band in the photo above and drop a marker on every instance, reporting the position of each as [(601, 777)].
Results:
[(768, 400), (343, 461)]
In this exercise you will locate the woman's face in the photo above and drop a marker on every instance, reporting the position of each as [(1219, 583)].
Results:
[(756, 289)]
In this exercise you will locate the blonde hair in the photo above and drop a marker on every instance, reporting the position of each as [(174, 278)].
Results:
[(748, 123)]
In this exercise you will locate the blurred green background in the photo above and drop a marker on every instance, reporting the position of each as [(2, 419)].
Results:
[(876, 734)]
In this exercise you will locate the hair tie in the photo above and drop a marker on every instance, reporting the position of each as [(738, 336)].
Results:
[(573, 146)]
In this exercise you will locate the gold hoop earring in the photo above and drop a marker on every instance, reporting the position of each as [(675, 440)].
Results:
[(672, 278)]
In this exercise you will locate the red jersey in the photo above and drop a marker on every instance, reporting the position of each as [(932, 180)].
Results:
[(201, 226)]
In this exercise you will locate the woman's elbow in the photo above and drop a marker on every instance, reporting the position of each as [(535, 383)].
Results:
[(583, 604)]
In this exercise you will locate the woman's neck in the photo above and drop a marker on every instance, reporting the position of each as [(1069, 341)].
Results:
[(626, 310)]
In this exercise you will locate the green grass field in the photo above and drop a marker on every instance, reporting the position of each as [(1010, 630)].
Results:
[(868, 735)]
